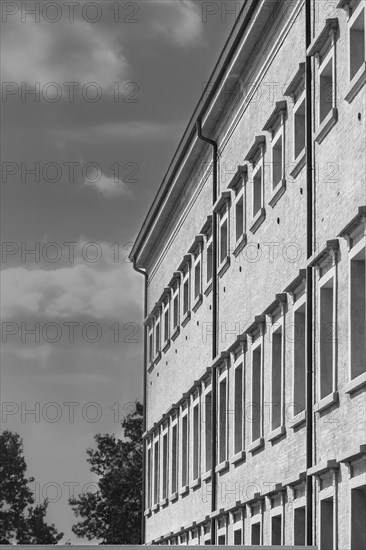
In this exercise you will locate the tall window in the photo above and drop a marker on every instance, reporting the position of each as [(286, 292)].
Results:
[(238, 185), (186, 290), (166, 320), (209, 257), (165, 468), (299, 370), (256, 415), (276, 376), (357, 47), (239, 409), (174, 454), (358, 310), (238, 528), (256, 157), (175, 307), (197, 273), (296, 90), (327, 336), (223, 233), (222, 416), (323, 46), (157, 334), (184, 449), (148, 477), (208, 427), (299, 126), (156, 470), (276, 126), (151, 342), (196, 436)]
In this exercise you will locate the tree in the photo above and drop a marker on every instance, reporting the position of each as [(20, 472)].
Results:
[(20, 521), (112, 514)]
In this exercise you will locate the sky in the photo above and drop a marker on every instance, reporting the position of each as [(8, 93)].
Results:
[(95, 98)]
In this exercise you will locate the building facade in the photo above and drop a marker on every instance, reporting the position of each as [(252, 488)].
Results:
[(254, 260)]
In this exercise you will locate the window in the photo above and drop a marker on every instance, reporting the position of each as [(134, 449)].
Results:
[(358, 507), (206, 534), (256, 534), (256, 415), (299, 126), (156, 470), (239, 409), (323, 46), (299, 374), (276, 530), (197, 273), (358, 310), (223, 233), (174, 454), (157, 335), (326, 524), (165, 468), (221, 531), (208, 427), (186, 290), (175, 300), (222, 416), (151, 342), (238, 528), (277, 376), (256, 157), (166, 320), (238, 185), (276, 126), (149, 477), (196, 436), (184, 448), (209, 261), (326, 337), (357, 55), (299, 526)]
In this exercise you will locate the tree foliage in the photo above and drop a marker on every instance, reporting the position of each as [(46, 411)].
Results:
[(20, 522), (112, 514)]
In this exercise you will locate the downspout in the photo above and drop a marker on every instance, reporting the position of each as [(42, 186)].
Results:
[(214, 319), (144, 405), (309, 278)]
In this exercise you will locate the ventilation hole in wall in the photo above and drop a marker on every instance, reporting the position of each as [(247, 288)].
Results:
[(322, 219), (240, 268), (157, 374), (175, 351), (359, 116), (210, 307), (150, 383), (301, 190), (259, 245), (278, 220), (224, 289), (186, 337), (198, 323)]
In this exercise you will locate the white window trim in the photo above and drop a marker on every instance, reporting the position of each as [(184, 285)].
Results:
[(324, 126), (197, 260), (360, 380), (222, 531), (331, 398), (323, 494), (240, 194), (223, 216), (208, 282), (151, 337), (355, 482), (239, 363), (278, 324), (149, 495), (239, 524), (155, 503), (184, 413), (164, 432), (195, 402), (174, 330), (277, 510), (157, 322), (254, 519), (298, 102), (279, 133), (206, 390), (206, 536), (186, 278), (359, 79), (297, 417), (222, 374), (174, 423), (256, 166), (166, 309), (259, 342)]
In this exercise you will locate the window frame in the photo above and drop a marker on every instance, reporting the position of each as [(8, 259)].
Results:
[(239, 364), (278, 324), (184, 414), (166, 301), (164, 491), (195, 402), (174, 424), (149, 468), (276, 126), (256, 158), (300, 303), (156, 471), (222, 376), (257, 341), (358, 80), (197, 254), (185, 270), (207, 389), (359, 380)]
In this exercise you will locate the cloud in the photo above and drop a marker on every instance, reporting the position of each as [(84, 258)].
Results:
[(107, 186), (100, 290), (63, 52), (178, 22)]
